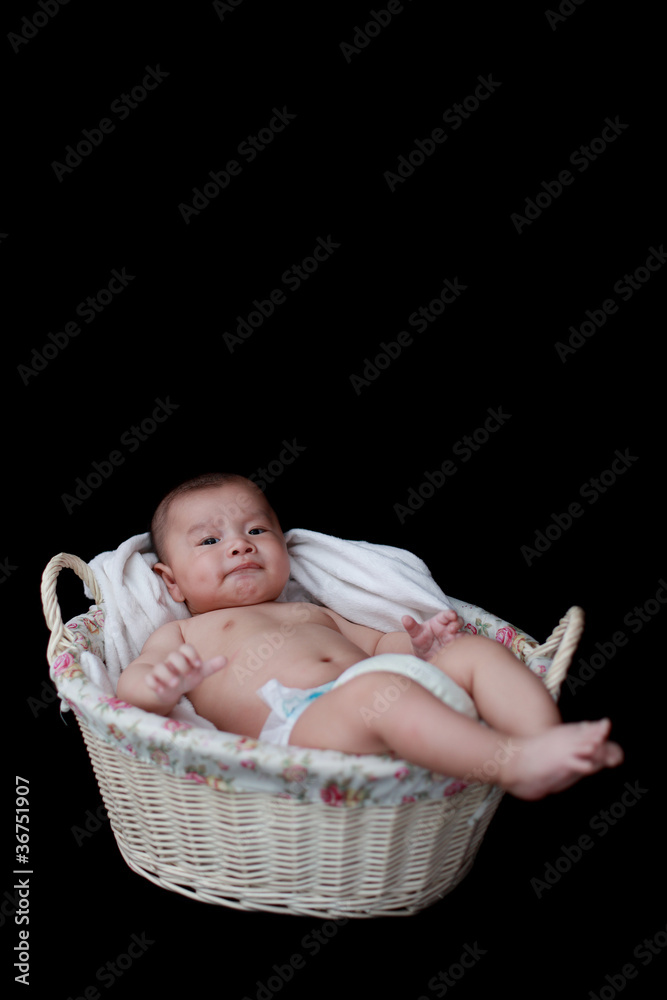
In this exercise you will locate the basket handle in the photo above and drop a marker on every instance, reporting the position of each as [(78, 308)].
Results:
[(563, 641), (61, 637)]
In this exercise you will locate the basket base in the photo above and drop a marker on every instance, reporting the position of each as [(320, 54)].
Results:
[(301, 905), (256, 851)]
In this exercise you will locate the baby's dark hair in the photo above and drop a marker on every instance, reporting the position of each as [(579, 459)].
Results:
[(209, 480)]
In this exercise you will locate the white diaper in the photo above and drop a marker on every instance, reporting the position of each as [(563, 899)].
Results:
[(287, 704)]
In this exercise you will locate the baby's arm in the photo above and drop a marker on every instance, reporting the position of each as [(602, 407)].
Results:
[(371, 640), (423, 640), (166, 669)]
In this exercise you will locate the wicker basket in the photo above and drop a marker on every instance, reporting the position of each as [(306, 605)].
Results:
[(257, 851)]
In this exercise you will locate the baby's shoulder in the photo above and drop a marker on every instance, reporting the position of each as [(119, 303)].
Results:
[(169, 633)]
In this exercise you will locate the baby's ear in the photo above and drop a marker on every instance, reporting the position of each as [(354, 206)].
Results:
[(167, 576)]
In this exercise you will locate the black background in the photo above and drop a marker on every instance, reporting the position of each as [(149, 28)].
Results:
[(361, 450)]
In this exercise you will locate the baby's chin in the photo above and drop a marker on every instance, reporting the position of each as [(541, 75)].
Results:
[(251, 589), (247, 600)]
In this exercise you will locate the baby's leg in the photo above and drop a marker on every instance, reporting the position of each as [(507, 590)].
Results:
[(506, 693), (419, 728), (347, 718)]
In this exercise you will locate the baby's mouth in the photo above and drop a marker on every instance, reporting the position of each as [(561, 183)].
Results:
[(244, 567)]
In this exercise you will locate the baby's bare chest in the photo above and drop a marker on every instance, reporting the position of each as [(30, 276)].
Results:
[(233, 630)]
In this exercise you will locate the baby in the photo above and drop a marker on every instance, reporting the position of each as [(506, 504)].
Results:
[(221, 551)]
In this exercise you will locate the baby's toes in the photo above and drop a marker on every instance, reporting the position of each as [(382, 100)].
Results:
[(609, 755), (590, 735)]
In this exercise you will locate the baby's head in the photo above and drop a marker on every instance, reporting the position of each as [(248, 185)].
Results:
[(219, 544)]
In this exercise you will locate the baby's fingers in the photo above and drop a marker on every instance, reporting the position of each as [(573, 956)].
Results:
[(175, 667), (446, 616), (183, 660), (160, 678), (211, 666), (189, 654), (164, 675)]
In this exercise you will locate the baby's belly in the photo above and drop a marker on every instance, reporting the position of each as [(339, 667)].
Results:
[(229, 698)]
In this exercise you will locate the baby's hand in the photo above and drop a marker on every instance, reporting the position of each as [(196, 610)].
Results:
[(429, 638), (182, 671)]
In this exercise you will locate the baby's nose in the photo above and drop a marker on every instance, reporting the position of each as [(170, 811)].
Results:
[(241, 546)]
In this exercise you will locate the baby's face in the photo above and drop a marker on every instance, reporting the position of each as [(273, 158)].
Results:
[(223, 549)]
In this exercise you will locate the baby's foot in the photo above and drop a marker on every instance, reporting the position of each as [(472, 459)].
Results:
[(558, 758), (433, 635)]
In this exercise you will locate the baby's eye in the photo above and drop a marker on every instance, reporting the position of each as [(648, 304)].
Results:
[(252, 530), (210, 541)]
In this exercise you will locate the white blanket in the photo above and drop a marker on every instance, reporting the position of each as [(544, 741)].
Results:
[(136, 601), (366, 583)]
